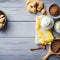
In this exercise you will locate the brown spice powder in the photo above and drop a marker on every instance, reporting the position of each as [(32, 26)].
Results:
[(54, 10), (55, 47)]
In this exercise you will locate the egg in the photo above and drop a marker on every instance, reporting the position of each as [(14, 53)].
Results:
[(57, 26)]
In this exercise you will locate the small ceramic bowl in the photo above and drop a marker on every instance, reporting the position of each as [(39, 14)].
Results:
[(55, 17), (57, 26), (49, 26)]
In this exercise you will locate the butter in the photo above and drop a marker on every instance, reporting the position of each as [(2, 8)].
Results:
[(42, 36)]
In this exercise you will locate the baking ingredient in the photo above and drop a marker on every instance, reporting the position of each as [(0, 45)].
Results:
[(31, 6), (2, 19), (35, 6), (57, 26), (54, 10), (53, 49), (56, 46), (43, 11), (40, 5), (42, 36), (47, 22), (1, 26)]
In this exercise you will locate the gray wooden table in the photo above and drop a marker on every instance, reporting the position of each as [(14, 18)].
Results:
[(17, 38)]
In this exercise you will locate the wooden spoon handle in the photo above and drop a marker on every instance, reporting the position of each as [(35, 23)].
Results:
[(41, 47), (47, 55), (33, 49)]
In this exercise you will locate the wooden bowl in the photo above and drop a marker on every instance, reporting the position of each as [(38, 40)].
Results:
[(2, 13), (51, 51)]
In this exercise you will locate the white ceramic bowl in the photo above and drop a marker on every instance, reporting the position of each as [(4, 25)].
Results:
[(51, 15), (57, 27), (49, 26)]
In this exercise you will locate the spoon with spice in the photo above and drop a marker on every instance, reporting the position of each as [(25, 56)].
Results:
[(53, 49)]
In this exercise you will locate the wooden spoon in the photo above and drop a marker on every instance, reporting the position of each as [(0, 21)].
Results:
[(50, 52), (40, 47)]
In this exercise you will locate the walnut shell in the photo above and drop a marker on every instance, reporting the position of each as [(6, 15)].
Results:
[(1, 15), (2, 20), (31, 8), (40, 5)]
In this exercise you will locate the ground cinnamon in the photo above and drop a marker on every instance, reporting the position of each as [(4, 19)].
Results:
[(54, 10), (55, 47)]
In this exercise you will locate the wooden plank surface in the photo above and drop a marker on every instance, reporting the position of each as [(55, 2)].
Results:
[(17, 38), (18, 29), (19, 49), (28, 57), (16, 9), (18, 46)]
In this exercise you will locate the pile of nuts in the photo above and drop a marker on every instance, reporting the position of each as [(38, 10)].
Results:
[(34, 6), (2, 19)]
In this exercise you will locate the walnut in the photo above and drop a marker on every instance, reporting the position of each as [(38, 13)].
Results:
[(1, 26), (2, 19), (34, 6), (31, 6)]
